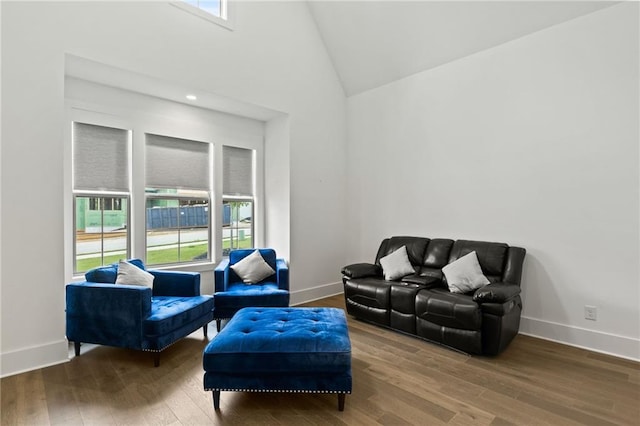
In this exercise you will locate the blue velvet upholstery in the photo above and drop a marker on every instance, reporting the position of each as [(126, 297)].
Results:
[(135, 317), (281, 349), (231, 294)]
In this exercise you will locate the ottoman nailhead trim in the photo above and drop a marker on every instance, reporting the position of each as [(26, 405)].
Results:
[(275, 390)]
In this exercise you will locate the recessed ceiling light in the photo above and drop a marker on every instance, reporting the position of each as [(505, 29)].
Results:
[(192, 97)]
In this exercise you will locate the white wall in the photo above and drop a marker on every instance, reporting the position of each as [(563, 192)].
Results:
[(274, 58), (533, 143)]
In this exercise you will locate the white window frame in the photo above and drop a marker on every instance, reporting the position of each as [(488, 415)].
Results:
[(225, 19), (209, 199), (143, 114), (78, 114), (98, 194), (251, 199)]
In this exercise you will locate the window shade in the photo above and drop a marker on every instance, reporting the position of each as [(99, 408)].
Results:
[(177, 163), (237, 169), (100, 158)]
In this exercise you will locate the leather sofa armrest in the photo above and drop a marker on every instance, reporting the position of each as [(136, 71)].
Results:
[(496, 293), (175, 283), (361, 270)]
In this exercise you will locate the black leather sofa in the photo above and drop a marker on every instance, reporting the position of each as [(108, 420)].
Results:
[(483, 321)]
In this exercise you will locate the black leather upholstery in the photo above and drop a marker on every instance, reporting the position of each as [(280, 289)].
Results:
[(416, 247), (496, 293), (403, 308), (480, 322), (360, 270)]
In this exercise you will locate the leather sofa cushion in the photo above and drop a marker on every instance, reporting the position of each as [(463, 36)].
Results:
[(281, 341), (437, 254), (491, 256), (441, 307), (416, 247)]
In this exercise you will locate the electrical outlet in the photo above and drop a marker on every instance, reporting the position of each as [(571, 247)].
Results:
[(590, 313)]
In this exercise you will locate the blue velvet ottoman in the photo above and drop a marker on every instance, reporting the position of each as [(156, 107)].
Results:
[(281, 350)]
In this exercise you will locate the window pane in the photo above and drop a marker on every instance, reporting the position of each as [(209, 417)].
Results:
[(101, 234), (212, 7), (209, 6), (237, 225), (177, 230)]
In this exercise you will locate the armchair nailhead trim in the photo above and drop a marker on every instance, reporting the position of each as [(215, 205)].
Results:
[(161, 349)]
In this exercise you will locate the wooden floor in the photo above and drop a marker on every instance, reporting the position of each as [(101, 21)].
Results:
[(397, 380)]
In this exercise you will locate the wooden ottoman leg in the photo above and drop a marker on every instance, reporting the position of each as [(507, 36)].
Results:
[(216, 399), (76, 346), (218, 325), (341, 401), (205, 330)]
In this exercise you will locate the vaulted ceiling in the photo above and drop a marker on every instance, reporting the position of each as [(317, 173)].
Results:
[(372, 43)]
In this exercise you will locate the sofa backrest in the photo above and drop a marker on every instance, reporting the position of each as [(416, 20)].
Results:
[(235, 256), (416, 247), (499, 262), (108, 273), (436, 257), (491, 256)]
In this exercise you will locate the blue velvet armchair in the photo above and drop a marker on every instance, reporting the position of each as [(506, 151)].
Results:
[(232, 294), (136, 317)]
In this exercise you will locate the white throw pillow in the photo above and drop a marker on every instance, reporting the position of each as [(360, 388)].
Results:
[(396, 265), (253, 268), (132, 275), (465, 274)]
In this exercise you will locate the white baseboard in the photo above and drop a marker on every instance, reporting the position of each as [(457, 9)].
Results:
[(34, 357), (315, 293), (597, 341)]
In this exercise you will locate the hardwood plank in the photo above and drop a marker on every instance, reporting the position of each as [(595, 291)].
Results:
[(397, 379)]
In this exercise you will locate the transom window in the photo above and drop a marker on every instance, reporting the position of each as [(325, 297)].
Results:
[(216, 11), (214, 7)]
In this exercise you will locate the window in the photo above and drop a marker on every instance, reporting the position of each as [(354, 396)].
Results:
[(140, 176), (178, 181), (100, 194), (216, 11), (108, 203), (238, 198), (215, 7)]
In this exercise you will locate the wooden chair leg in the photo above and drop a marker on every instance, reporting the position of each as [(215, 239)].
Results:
[(216, 399), (76, 347), (205, 330), (156, 359), (341, 401), (218, 325)]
